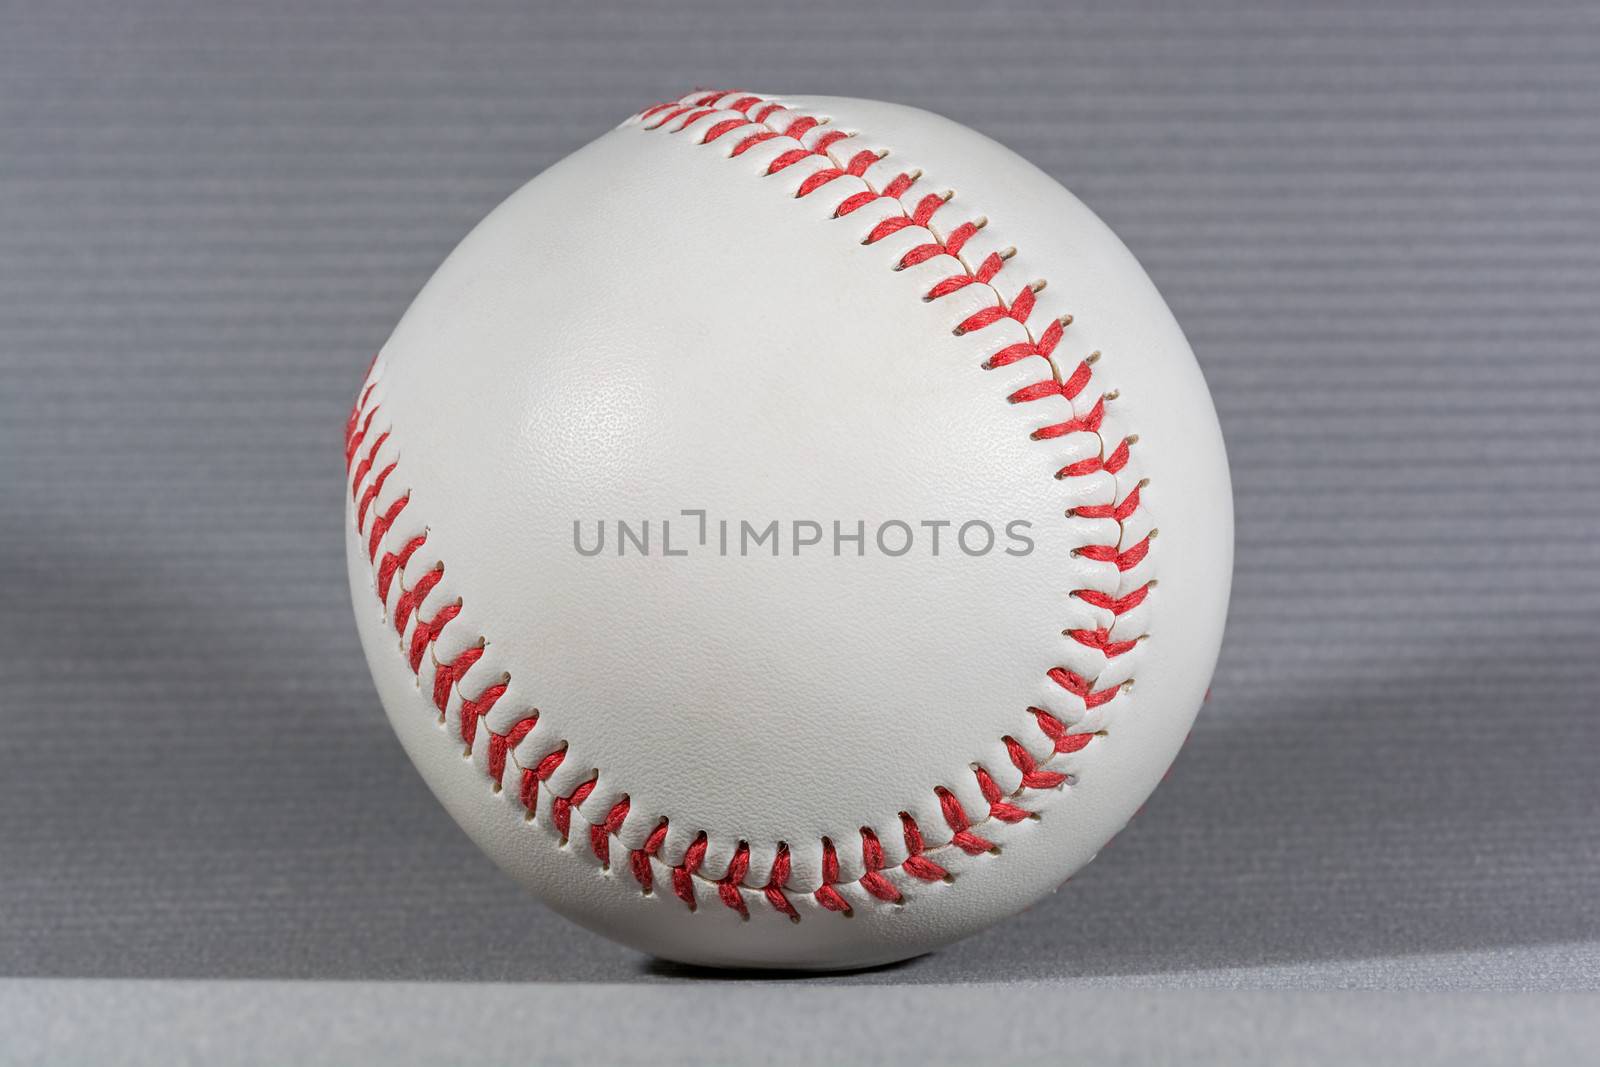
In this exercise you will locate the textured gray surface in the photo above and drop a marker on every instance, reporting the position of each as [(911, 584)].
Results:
[(308, 1023), (1379, 227)]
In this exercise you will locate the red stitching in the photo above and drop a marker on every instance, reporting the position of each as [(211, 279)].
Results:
[(601, 832), (639, 858), (532, 776), (955, 816), (916, 863), (873, 880), (683, 873), (776, 880), (826, 894), (728, 884), (500, 745), (758, 121), (561, 809)]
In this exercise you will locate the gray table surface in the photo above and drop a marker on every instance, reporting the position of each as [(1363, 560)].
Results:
[(1379, 226)]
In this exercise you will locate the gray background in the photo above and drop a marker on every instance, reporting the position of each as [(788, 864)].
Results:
[(1378, 225)]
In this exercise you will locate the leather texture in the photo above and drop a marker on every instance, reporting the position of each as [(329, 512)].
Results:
[(659, 323)]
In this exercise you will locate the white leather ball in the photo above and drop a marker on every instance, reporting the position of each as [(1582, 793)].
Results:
[(643, 501)]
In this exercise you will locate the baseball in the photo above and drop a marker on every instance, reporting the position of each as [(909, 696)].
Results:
[(789, 532)]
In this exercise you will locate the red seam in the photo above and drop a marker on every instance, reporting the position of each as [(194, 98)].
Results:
[(760, 121)]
